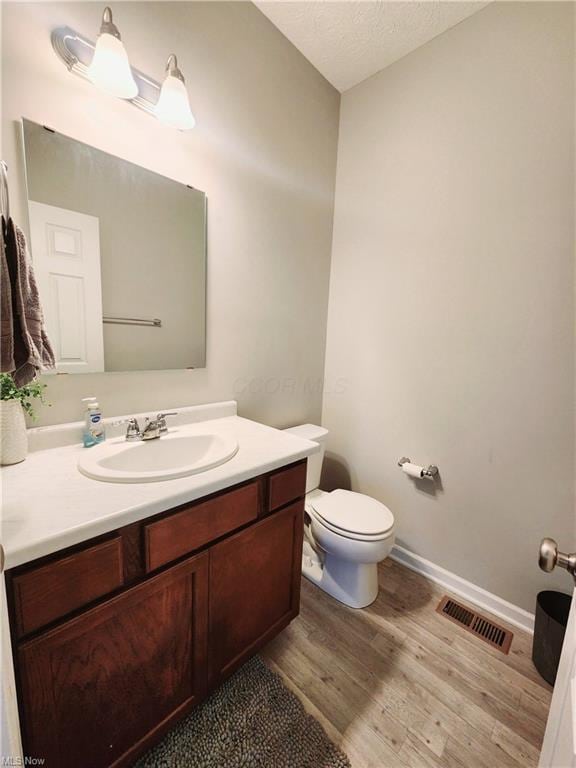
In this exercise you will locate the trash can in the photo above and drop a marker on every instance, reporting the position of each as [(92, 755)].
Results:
[(552, 609)]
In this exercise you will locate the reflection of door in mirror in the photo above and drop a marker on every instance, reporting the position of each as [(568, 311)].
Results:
[(66, 253)]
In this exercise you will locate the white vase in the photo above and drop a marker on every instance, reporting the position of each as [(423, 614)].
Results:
[(13, 437)]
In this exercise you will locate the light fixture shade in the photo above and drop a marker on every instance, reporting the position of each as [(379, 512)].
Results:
[(173, 106), (110, 68)]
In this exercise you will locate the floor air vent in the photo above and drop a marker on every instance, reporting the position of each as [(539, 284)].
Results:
[(478, 625)]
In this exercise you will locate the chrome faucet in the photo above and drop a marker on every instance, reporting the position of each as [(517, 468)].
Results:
[(132, 430), (153, 428), (161, 419)]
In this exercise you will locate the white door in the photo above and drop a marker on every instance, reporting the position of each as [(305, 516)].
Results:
[(559, 747), (66, 254)]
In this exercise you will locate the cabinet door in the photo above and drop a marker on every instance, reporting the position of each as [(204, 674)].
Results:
[(254, 588), (97, 689)]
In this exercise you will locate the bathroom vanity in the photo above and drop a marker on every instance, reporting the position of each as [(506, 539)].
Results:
[(119, 635)]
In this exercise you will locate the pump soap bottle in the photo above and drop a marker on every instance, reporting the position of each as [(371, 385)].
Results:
[(93, 427)]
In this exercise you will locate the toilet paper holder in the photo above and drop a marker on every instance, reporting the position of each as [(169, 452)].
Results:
[(430, 472)]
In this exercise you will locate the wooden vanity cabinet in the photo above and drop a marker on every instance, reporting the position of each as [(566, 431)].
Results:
[(101, 684)]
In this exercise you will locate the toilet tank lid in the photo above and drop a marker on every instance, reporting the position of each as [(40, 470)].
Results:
[(308, 432)]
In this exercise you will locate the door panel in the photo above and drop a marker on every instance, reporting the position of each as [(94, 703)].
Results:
[(66, 253), (98, 685), (254, 588), (559, 747)]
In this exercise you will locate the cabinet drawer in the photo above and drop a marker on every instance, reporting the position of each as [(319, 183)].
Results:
[(196, 525), (286, 485), (50, 591)]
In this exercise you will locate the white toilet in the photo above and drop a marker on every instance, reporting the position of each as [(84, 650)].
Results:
[(346, 534)]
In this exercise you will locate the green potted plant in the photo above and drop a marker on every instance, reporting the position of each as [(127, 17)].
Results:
[(14, 402)]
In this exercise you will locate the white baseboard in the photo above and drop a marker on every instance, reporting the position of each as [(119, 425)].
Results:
[(479, 597)]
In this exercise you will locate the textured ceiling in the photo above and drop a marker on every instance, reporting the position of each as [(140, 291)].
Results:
[(351, 40)]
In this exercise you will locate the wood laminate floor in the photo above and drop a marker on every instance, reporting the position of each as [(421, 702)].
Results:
[(397, 685)]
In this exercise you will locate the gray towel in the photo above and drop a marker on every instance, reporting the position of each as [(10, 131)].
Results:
[(7, 364), (31, 348)]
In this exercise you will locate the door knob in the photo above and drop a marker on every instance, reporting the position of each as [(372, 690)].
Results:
[(549, 558)]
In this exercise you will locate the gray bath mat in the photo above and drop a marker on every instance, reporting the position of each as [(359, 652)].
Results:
[(251, 721)]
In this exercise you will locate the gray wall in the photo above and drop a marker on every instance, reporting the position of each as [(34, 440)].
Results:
[(451, 318), (264, 151)]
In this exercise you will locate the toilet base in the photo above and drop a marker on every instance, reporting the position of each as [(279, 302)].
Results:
[(354, 584)]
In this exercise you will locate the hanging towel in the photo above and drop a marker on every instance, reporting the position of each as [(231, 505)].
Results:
[(7, 364), (16, 347), (31, 348)]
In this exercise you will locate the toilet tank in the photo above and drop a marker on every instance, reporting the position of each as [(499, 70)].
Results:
[(317, 435)]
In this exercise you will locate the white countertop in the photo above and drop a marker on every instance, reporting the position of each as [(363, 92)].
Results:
[(48, 505)]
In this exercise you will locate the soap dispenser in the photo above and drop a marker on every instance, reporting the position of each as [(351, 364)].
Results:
[(93, 427)]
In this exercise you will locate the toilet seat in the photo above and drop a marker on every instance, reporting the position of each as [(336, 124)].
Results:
[(353, 515)]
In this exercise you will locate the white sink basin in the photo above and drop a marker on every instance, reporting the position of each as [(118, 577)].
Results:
[(166, 458)]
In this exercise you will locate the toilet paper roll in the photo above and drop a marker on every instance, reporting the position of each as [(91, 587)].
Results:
[(412, 469)]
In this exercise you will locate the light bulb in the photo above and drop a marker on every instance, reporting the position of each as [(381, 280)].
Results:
[(173, 106), (110, 69)]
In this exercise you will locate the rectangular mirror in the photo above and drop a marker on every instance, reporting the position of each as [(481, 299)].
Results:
[(119, 254)]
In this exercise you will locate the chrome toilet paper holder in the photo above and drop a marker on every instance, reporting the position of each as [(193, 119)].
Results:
[(430, 472)]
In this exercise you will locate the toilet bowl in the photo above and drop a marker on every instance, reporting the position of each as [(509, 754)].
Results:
[(346, 534)]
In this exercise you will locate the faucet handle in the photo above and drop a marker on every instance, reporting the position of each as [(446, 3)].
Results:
[(132, 430), (161, 419), (132, 421)]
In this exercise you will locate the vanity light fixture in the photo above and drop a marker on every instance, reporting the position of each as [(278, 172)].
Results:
[(105, 63), (110, 68), (173, 106)]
